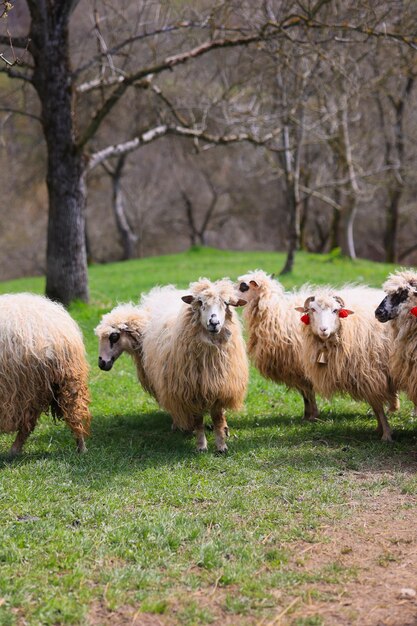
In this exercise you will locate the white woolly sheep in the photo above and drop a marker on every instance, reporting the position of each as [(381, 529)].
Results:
[(42, 366), (400, 308), (274, 334), (196, 360), (344, 354)]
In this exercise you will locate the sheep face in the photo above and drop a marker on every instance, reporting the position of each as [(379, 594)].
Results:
[(391, 305), (401, 290), (248, 288), (210, 303), (111, 345), (324, 313)]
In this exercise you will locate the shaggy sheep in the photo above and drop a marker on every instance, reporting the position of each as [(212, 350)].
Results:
[(196, 359), (400, 307), (348, 354), (274, 342), (43, 366)]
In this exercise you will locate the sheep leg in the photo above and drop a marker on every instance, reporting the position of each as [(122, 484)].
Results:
[(200, 434), (311, 411), (383, 426), (22, 435), (81, 447), (394, 404), (220, 428), (226, 428)]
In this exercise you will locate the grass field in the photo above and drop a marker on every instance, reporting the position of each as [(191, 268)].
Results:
[(143, 530)]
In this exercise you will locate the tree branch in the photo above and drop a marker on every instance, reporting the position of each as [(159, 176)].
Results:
[(170, 62), (163, 130), (18, 112)]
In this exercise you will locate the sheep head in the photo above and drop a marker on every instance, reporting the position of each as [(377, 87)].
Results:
[(255, 284), (119, 331), (323, 313), (210, 303), (401, 298)]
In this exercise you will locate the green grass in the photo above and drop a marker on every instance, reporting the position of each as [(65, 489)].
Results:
[(143, 521)]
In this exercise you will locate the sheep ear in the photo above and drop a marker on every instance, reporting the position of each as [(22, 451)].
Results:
[(187, 299), (238, 302), (300, 309), (253, 283)]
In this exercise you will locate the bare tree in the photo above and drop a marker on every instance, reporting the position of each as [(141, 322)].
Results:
[(128, 237)]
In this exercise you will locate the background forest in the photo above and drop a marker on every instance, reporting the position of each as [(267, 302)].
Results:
[(294, 126)]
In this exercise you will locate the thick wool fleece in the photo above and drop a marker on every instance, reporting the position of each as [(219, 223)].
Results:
[(357, 354), (42, 363), (403, 347), (192, 371)]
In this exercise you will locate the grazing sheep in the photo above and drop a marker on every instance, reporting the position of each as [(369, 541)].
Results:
[(348, 354), (274, 342), (196, 360), (400, 308), (42, 366)]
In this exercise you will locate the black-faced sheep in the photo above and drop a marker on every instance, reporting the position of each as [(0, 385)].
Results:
[(196, 360), (274, 334), (345, 353), (400, 308), (42, 366)]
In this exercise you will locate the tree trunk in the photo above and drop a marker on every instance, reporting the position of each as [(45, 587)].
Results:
[(349, 210), (66, 259), (294, 229), (345, 224), (129, 239), (292, 178), (392, 223)]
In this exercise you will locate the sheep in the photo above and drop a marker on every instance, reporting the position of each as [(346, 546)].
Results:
[(42, 367), (400, 308), (121, 330), (196, 359), (348, 355), (274, 335)]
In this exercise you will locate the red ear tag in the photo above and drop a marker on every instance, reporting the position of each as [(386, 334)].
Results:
[(413, 311), (343, 313), (306, 319)]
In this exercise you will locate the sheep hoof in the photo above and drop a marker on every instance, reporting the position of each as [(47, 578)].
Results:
[(81, 447), (202, 449), (310, 418), (222, 449), (387, 438)]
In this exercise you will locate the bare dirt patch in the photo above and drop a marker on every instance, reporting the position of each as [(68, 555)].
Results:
[(372, 552), (376, 545)]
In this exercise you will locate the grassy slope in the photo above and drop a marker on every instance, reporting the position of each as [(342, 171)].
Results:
[(143, 520)]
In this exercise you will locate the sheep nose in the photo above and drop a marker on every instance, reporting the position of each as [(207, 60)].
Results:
[(323, 329), (213, 323), (105, 365)]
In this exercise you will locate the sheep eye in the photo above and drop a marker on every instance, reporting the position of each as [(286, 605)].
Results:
[(335, 311), (114, 337)]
